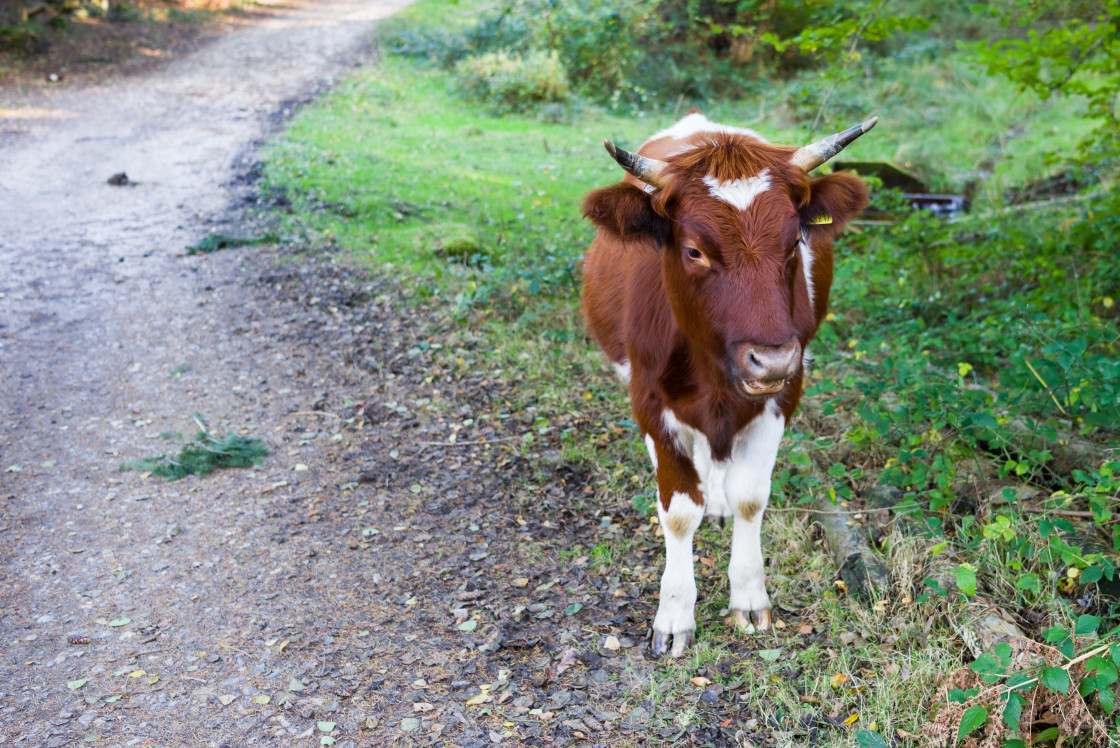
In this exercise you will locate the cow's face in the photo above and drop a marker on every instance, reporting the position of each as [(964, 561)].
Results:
[(745, 241)]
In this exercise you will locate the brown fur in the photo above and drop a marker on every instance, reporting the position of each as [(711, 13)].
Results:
[(677, 321)]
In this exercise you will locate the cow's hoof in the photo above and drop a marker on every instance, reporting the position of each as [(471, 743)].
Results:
[(660, 643), (717, 519), (751, 621)]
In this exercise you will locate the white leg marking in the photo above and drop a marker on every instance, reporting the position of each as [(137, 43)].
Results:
[(622, 369), (740, 192), (748, 491), (652, 451), (678, 584), (807, 266)]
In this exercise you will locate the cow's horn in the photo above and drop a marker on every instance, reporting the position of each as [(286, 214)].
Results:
[(811, 156), (646, 169)]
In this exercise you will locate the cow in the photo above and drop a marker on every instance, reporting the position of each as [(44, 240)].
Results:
[(708, 277)]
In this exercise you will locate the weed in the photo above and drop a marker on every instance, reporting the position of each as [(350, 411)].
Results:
[(216, 242), (202, 456)]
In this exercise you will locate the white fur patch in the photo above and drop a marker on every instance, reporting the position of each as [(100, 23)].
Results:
[(740, 192), (748, 492), (623, 371), (678, 583), (807, 266), (652, 451), (698, 123)]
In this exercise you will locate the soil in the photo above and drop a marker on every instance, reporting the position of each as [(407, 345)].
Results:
[(394, 572)]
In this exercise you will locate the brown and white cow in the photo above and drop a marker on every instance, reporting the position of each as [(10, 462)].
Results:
[(708, 278)]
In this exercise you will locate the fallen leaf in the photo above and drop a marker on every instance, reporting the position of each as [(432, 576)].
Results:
[(707, 561), (851, 719), (838, 680), (114, 699), (326, 740), (422, 707), (118, 622), (520, 582), (700, 681), (74, 685), (468, 626), (262, 698), (325, 726), (611, 643), (769, 654), (295, 685), (482, 698), (408, 724), (137, 674), (805, 629), (227, 699)]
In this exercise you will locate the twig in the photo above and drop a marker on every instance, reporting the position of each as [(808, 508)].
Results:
[(468, 444), (1046, 387), (314, 413), (1056, 512)]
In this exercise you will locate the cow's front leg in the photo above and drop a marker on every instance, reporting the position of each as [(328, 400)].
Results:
[(679, 509), (748, 490)]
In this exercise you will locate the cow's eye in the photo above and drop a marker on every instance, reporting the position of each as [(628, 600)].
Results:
[(696, 257)]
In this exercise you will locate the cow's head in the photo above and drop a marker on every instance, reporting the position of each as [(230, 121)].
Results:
[(746, 244)]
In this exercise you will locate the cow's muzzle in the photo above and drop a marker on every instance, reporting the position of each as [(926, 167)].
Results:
[(765, 369)]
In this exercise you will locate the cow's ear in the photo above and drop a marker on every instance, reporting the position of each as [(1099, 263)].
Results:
[(625, 211), (834, 200)]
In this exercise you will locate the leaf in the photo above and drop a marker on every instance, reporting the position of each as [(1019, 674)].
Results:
[(572, 609), (869, 739), (326, 740), (1086, 625), (966, 579), (114, 699), (851, 719), (74, 685), (408, 724), (118, 622), (700, 682), (138, 673), (227, 698), (1055, 679), (1013, 710), (1107, 700), (325, 726), (481, 698), (468, 626), (1091, 574), (262, 698), (838, 680), (985, 663), (972, 721), (769, 654)]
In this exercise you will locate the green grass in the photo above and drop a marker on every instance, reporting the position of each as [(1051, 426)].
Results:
[(939, 334)]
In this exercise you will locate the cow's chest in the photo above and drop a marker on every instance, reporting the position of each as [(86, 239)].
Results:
[(739, 484)]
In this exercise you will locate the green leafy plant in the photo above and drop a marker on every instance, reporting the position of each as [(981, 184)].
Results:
[(203, 456), (511, 81)]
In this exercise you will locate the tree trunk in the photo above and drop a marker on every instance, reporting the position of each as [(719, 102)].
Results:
[(12, 12)]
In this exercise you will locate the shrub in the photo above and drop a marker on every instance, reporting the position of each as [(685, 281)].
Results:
[(512, 81)]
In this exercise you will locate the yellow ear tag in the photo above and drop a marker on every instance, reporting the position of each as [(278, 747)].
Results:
[(821, 220)]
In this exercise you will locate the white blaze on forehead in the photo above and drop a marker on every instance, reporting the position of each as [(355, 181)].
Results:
[(740, 192), (698, 123)]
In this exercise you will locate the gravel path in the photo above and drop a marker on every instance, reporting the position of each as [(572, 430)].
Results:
[(401, 569)]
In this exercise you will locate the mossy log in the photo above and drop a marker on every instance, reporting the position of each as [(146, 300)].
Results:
[(863, 573)]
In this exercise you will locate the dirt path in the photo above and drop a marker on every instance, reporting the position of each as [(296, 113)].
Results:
[(399, 570)]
